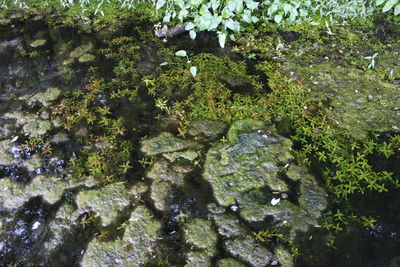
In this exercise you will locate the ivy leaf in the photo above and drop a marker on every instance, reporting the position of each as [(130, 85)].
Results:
[(379, 2), (397, 10), (254, 19), (389, 4), (286, 8), (195, 3), (167, 18), (189, 26), (221, 39), (251, 4), (231, 5), (215, 22), (226, 13), (192, 34), (183, 14), (160, 4), (181, 53), (193, 70), (215, 4), (278, 18), (239, 6), (233, 25), (246, 18), (180, 3)]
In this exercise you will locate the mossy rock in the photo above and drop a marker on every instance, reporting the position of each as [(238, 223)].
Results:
[(37, 127), (195, 259), (228, 225), (166, 142), (13, 195), (244, 172), (161, 192), (355, 102), (81, 50), (86, 58), (6, 158), (207, 130), (189, 155), (163, 171), (284, 256), (33, 163), (135, 248), (200, 234), (249, 251), (108, 202), (249, 160), (229, 262), (46, 98), (50, 188), (38, 43)]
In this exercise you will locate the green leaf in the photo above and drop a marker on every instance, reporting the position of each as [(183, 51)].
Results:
[(226, 13), (239, 6), (189, 26), (221, 39), (251, 4), (231, 5), (164, 63), (179, 3), (286, 8), (167, 18), (379, 2), (388, 6), (160, 4), (203, 23), (215, 22), (246, 18), (278, 18), (233, 25), (181, 53), (183, 14), (195, 3), (397, 10), (192, 34), (215, 4), (254, 19), (193, 70)]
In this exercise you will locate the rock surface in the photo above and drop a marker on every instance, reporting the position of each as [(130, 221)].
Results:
[(246, 173), (135, 248), (249, 251), (108, 202)]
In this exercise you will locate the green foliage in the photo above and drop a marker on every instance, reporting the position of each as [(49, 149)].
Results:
[(276, 236), (80, 109), (207, 94), (232, 16), (389, 5), (226, 18)]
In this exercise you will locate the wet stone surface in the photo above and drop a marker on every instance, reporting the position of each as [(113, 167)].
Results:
[(201, 198)]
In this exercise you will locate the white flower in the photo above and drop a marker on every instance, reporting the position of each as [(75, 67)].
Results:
[(275, 201), (35, 225), (234, 208)]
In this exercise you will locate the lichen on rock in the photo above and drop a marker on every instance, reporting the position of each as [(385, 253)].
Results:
[(249, 251), (135, 248), (108, 202), (248, 172), (166, 142), (46, 98)]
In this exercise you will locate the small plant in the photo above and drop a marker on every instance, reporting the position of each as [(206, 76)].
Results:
[(182, 53), (372, 58)]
